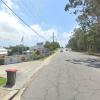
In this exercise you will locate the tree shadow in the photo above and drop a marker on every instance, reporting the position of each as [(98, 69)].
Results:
[(87, 61)]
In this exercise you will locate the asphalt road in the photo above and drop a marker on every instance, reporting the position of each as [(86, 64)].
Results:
[(69, 76)]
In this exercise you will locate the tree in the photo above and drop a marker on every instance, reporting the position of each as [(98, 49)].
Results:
[(18, 49), (51, 45), (87, 37), (47, 44)]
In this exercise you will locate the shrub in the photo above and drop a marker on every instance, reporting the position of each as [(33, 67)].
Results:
[(36, 52), (1, 61)]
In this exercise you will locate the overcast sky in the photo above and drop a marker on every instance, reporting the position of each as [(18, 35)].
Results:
[(44, 16)]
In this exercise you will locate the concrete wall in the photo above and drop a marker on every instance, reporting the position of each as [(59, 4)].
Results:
[(18, 58)]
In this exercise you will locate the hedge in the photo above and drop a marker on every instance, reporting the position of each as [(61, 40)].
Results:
[(42, 55), (1, 61)]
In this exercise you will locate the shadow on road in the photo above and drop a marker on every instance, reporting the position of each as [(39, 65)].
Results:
[(88, 62)]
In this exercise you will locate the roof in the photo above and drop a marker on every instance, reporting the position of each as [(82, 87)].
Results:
[(3, 51), (33, 47)]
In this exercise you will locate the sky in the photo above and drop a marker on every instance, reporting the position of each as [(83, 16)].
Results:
[(45, 17)]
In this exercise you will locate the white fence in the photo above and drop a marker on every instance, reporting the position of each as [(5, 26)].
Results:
[(18, 58)]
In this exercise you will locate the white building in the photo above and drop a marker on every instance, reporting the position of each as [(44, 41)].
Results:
[(31, 50), (3, 51)]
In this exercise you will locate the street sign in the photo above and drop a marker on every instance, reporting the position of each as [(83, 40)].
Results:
[(40, 47)]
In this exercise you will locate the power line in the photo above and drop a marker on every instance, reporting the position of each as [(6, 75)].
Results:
[(27, 12), (21, 19), (22, 8), (28, 8), (39, 9), (34, 8)]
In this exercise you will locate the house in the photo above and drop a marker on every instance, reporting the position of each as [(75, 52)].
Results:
[(3, 51), (31, 50)]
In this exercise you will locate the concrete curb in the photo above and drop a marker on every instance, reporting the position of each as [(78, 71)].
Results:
[(10, 95), (16, 94)]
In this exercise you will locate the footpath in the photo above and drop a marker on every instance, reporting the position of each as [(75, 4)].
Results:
[(26, 71)]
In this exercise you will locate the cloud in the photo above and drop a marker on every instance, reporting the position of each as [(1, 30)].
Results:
[(68, 35), (65, 35), (10, 4), (12, 30)]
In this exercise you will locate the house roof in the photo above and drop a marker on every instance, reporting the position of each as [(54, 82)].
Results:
[(3, 51), (33, 47)]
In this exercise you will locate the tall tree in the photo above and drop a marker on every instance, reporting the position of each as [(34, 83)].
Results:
[(88, 36)]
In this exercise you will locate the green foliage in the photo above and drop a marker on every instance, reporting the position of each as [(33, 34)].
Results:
[(43, 55), (51, 45), (36, 52), (87, 37), (17, 49), (1, 61), (2, 81), (17, 53)]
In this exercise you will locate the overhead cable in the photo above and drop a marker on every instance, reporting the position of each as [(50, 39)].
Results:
[(21, 19)]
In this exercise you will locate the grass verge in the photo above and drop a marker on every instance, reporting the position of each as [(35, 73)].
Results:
[(2, 81), (92, 53)]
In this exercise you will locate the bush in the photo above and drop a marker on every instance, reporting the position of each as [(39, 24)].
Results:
[(1, 61), (47, 54), (42, 55), (37, 57), (36, 52)]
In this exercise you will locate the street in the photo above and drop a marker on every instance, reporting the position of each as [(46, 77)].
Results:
[(69, 76)]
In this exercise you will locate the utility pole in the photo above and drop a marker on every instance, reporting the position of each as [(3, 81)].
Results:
[(56, 39), (53, 36)]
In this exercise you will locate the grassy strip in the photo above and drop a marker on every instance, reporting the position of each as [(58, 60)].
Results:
[(91, 53), (2, 81)]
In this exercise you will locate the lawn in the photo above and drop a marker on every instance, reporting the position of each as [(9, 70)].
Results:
[(2, 81)]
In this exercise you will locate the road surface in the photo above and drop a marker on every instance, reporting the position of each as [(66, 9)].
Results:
[(69, 76)]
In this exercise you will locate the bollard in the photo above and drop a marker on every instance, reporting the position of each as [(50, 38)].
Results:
[(11, 76)]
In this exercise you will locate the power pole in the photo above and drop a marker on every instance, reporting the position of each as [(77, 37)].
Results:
[(53, 36), (56, 42)]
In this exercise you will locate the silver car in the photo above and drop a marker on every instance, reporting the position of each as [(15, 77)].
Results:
[(61, 50)]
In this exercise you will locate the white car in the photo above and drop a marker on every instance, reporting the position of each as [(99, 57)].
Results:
[(3, 51), (61, 50)]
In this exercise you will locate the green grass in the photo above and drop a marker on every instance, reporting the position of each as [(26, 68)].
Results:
[(2, 81)]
